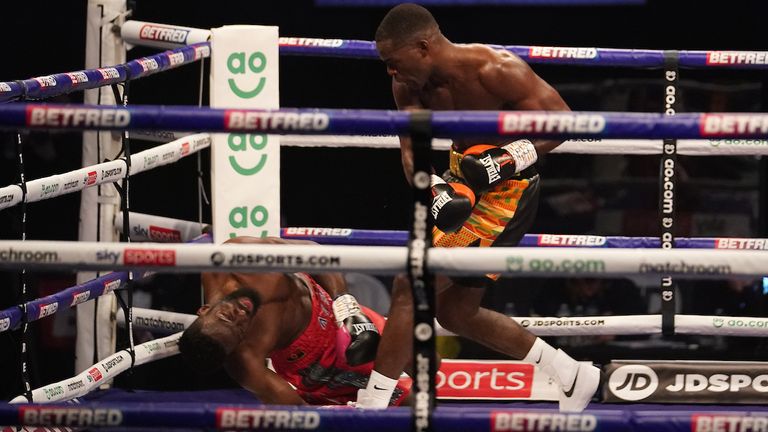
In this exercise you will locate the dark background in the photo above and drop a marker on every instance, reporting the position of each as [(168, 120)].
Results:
[(609, 195)]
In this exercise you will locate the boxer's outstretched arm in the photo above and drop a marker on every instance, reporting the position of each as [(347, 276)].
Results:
[(248, 365), (253, 375), (395, 349), (396, 345)]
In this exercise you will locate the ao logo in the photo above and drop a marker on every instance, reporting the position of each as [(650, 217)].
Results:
[(247, 146), (633, 382), (241, 143), (240, 216), (238, 64)]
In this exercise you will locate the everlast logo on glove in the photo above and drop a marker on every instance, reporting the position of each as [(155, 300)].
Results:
[(452, 204), (484, 166), (491, 168), (438, 202), (686, 382), (357, 328)]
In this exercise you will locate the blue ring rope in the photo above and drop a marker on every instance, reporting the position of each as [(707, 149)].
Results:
[(445, 124), (68, 297), (447, 418), (61, 83), (67, 82), (399, 238), (585, 56)]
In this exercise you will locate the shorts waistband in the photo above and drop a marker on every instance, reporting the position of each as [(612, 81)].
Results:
[(455, 166)]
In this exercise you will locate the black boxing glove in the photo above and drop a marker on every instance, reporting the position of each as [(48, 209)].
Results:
[(451, 204), (357, 338), (483, 166)]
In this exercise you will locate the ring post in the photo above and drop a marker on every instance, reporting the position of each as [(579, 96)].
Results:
[(95, 323), (422, 283), (668, 188)]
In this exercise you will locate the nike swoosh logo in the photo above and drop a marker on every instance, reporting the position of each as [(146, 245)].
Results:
[(377, 387), (538, 360), (569, 393)]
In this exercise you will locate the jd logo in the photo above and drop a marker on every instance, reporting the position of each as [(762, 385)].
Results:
[(217, 258), (240, 216), (240, 143), (239, 65), (633, 382)]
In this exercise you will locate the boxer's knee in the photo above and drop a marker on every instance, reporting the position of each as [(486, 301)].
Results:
[(453, 313)]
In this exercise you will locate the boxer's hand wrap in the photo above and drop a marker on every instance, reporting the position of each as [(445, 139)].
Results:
[(483, 166), (358, 338), (451, 204)]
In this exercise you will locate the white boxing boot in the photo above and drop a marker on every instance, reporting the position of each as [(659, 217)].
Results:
[(577, 382)]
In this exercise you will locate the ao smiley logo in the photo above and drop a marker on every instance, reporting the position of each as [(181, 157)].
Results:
[(240, 63), (242, 143), (245, 83), (240, 216)]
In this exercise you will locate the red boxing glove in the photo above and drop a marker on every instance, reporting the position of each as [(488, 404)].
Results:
[(451, 204), (483, 166)]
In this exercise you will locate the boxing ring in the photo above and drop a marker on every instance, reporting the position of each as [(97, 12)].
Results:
[(596, 256)]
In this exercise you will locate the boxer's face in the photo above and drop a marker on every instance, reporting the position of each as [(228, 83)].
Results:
[(228, 320), (408, 63)]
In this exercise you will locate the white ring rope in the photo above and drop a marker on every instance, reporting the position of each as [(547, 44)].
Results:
[(145, 227), (619, 325), (165, 321), (107, 172), (729, 147), (383, 260), (711, 147), (156, 35), (158, 320), (104, 371)]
